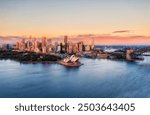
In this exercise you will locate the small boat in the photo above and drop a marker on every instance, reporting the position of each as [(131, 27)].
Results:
[(70, 61)]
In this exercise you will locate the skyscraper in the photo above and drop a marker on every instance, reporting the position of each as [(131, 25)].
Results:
[(75, 48), (36, 48), (49, 46), (92, 43), (44, 43), (22, 45), (70, 47), (65, 39), (66, 42), (17, 45), (80, 46)]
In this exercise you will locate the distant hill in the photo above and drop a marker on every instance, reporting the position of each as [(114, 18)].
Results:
[(9, 39)]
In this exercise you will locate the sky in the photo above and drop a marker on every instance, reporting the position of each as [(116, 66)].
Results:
[(110, 19)]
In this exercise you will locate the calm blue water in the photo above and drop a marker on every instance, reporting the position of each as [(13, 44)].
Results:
[(96, 78)]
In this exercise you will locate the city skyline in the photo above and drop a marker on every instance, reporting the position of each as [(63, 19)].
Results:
[(109, 21)]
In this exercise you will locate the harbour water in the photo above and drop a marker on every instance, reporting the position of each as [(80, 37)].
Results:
[(97, 78)]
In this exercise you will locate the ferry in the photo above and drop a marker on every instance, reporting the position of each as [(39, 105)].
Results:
[(70, 61)]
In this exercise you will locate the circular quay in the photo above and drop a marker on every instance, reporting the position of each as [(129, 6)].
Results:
[(74, 49)]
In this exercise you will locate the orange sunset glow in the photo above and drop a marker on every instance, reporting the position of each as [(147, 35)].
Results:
[(109, 22)]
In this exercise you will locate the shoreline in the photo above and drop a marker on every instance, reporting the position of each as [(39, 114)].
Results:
[(29, 57), (30, 62), (32, 57)]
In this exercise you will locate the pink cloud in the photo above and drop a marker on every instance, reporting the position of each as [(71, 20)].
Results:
[(122, 31), (99, 39)]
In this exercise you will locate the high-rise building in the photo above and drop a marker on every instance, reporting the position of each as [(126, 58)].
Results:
[(46, 46), (22, 45), (49, 46), (44, 43), (92, 43), (58, 48), (61, 47), (36, 48), (80, 46), (65, 43), (34, 43), (17, 45), (70, 47), (75, 48), (65, 39), (29, 45)]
